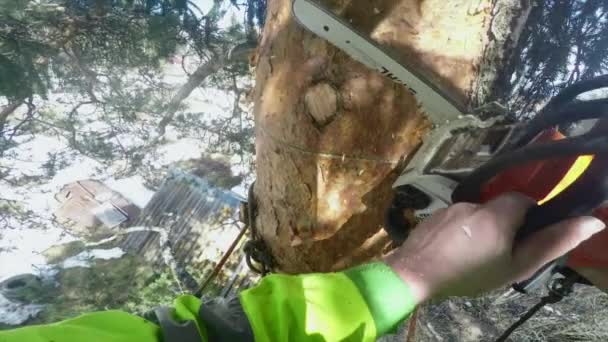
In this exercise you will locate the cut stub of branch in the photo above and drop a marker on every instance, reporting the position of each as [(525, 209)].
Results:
[(322, 103)]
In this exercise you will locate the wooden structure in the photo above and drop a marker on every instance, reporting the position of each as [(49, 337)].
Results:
[(92, 210), (187, 225), (200, 223)]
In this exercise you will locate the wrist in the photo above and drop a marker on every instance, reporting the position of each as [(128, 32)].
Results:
[(388, 298), (419, 286)]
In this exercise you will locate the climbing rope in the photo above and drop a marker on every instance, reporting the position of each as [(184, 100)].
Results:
[(558, 290), (220, 265), (257, 255), (411, 328)]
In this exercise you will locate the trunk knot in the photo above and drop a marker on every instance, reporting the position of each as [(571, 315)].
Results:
[(322, 103)]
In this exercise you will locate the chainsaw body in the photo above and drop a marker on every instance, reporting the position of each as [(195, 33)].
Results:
[(449, 154), (452, 152)]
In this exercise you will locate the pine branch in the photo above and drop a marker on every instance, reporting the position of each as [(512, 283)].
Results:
[(6, 112), (239, 53), (202, 72), (31, 110)]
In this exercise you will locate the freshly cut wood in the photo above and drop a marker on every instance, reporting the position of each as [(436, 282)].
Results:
[(322, 103)]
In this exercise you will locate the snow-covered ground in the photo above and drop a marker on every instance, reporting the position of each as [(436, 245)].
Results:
[(21, 245), (27, 159), (84, 259), (14, 314)]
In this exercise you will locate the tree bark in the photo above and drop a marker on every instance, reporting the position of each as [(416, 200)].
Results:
[(332, 135)]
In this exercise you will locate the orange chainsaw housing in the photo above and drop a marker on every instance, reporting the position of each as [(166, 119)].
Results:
[(538, 180)]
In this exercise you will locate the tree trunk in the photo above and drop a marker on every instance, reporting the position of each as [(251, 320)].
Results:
[(332, 135)]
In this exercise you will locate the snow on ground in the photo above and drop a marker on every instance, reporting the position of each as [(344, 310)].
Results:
[(20, 247), (183, 149), (27, 159), (14, 314), (27, 245), (84, 259), (131, 188)]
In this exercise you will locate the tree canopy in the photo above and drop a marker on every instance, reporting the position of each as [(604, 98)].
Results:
[(71, 64), (111, 81), (564, 41)]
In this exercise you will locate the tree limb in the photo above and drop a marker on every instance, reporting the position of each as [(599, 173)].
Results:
[(31, 110), (202, 72), (73, 139), (6, 112), (89, 75), (238, 54)]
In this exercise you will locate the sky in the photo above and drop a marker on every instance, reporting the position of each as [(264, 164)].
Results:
[(206, 5)]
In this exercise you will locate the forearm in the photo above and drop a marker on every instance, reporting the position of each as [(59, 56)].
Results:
[(359, 304)]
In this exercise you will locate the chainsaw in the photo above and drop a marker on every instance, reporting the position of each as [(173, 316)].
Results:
[(467, 159)]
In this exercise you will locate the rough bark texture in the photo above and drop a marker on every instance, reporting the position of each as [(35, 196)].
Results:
[(508, 21), (324, 179)]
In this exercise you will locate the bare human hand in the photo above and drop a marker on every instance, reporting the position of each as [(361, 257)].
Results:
[(468, 249)]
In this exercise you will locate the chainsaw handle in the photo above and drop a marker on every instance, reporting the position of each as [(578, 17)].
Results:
[(587, 193), (580, 199), (538, 218)]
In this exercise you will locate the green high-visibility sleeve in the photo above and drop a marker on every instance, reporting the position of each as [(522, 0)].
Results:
[(388, 298), (105, 326), (109, 326), (357, 305)]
